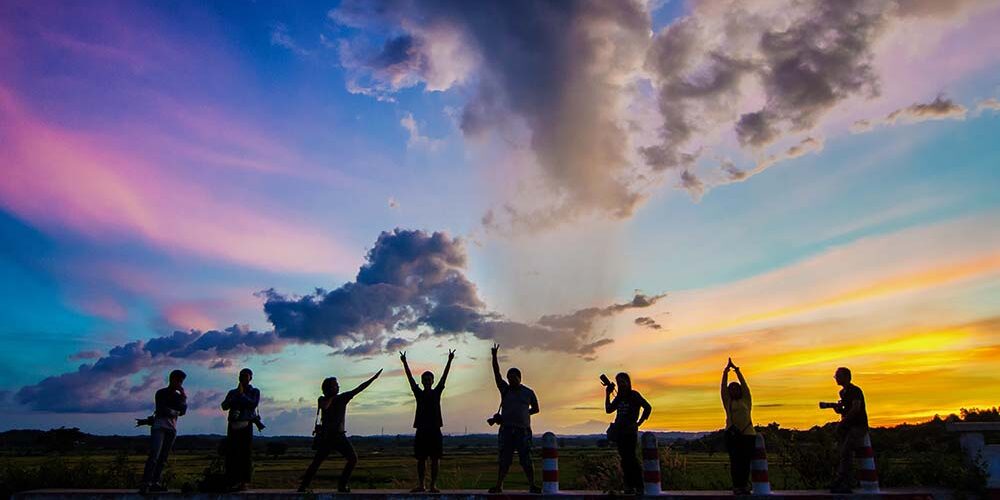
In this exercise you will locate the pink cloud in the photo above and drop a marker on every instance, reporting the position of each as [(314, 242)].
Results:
[(67, 180)]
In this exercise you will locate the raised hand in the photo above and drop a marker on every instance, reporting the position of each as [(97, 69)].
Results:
[(496, 347), (451, 354), (402, 356)]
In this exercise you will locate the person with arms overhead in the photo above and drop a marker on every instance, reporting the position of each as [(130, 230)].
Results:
[(171, 402), (517, 404), (851, 430), (740, 436), (241, 403), (627, 403), (332, 435), (428, 441)]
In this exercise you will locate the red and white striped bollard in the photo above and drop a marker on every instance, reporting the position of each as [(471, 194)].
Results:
[(650, 464), (758, 468), (550, 464), (866, 474)]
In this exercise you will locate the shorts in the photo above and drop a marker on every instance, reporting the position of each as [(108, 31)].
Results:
[(428, 443), (511, 439)]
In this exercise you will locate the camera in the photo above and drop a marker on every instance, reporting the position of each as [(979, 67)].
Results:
[(829, 406), (139, 422), (605, 381), (496, 419), (260, 425)]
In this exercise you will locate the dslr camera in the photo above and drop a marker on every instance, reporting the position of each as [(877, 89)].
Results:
[(496, 419), (829, 406), (139, 422), (257, 422)]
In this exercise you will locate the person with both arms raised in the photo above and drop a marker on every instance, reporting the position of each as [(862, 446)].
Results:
[(241, 403), (428, 441), (740, 436)]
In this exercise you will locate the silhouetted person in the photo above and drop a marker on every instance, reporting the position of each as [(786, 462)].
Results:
[(332, 406), (851, 430), (241, 403), (428, 441), (517, 404), (627, 403), (171, 402), (740, 437)]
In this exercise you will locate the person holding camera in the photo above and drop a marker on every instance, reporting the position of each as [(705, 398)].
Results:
[(241, 403), (740, 436), (517, 404), (851, 430), (332, 434), (428, 441), (171, 403), (625, 429)]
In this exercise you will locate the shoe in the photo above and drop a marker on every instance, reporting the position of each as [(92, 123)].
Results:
[(144, 489), (434, 489), (628, 491), (418, 489), (496, 489), (534, 489), (302, 489), (343, 489)]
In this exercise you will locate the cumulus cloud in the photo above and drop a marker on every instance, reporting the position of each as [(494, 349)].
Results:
[(695, 187), (988, 104), (941, 108), (560, 68), (108, 384)]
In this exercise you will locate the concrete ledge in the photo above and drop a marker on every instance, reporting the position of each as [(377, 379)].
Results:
[(447, 495)]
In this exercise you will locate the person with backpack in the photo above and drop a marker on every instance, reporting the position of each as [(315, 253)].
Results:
[(171, 403), (740, 436), (331, 434), (428, 441), (625, 429)]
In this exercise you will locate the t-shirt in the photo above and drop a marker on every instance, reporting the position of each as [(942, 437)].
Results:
[(428, 414), (242, 406), (517, 403), (170, 404), (848, 395), (628, 407), (333, 416)]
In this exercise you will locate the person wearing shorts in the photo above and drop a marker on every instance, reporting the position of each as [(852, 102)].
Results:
[(428, 441)]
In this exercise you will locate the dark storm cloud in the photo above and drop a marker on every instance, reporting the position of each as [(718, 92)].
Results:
[(411, 286), (558, 66), (108, 385)]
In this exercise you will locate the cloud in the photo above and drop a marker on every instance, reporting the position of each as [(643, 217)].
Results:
[(648, 322), (393, 203), (941, 108), (988, 104), (108, 384), (693, 185), (281, 38), (416, 139), (561, 69), (803, 147)]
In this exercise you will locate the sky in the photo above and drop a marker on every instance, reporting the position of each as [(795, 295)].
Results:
[(598, 186)]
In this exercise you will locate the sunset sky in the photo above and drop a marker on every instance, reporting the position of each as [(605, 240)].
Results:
[(599, 186)]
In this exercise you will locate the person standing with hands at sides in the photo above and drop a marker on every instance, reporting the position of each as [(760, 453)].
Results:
[(740, 436), (332, 408), (241, 403), (171, 402), (517, 404), (627, 404), (428, 442), (851, 430)]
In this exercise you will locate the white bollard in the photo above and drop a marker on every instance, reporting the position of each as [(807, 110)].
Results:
[(758, 469), (550, 464), (866, 473), (650, 464)]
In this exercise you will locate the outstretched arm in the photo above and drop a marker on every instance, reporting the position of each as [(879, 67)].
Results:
[(447, 368), (725, 382), (501, 385), (364, 385), (409, 375)]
